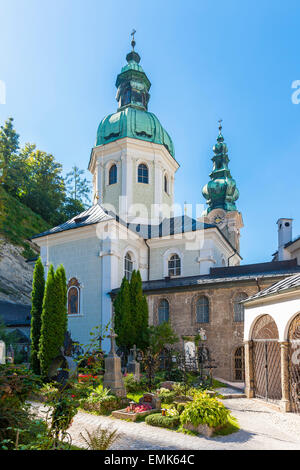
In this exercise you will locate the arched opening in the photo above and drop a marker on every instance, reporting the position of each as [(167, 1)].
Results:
[(73, 297), (294, 364), (174, 266), (239, 364), (113, 175), (143, 174), (163, 311), (202, 310), (128, 266), (266, 359), (166, 188)]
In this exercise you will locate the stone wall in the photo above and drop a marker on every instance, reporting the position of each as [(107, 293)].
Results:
[(224, 335)]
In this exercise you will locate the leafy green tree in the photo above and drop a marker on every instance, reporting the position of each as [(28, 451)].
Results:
[(139, 311), (78, 188), (37, 296), (160, 336), (9, 140), (69, 209), (123, 324), (44, 188), (53, 321)]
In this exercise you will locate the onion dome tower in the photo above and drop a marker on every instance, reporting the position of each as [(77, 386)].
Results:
[(221, 194), (133, 160)]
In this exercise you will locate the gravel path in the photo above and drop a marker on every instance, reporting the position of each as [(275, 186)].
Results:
[(262, 428)]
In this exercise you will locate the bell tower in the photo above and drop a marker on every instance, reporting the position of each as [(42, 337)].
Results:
[(221, 194), (133, 161)]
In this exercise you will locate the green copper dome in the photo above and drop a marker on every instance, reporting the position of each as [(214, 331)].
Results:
[(221, 192), (134, 123), (133, 118)]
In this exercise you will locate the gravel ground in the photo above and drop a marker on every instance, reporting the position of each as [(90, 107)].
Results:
[(262, 428)]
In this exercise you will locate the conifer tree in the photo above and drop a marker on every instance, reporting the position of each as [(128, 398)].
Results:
[(63, 279), (38, 287), (139, 311), (53, 320), (123, 324)]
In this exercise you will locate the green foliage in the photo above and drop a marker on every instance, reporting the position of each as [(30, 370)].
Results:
[(123, 322), (205, 410), (78, 188), (131, 314), (139, 312), (166, 396), (53, 321), (132, 385), (102, 402), (101, 438), (18, 222), (34, 178), (156, 419), (16, 386), (161, 336), (38, 287), (9, 140)]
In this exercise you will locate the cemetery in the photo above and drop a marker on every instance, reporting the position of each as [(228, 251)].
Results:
[(157, 384)]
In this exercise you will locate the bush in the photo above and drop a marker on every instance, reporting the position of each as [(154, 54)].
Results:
[(166, 396), (102, 402), (132, 385), (156, 419), (180, 407), (205, 410)]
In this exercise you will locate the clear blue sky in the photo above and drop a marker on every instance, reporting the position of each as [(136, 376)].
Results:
[(206, 59)]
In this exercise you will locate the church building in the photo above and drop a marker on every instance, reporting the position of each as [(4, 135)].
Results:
[(190, 267)]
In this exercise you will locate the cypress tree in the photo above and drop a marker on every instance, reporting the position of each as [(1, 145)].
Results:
[(53, 320), (63, 280), (139, 311), (38, 287), (123, 324)]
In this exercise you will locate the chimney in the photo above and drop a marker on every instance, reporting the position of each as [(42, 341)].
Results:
[(285, 229)]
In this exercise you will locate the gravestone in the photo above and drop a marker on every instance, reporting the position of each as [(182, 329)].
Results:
[(150, 399), (113, 379), (2, 352), (133, 366)]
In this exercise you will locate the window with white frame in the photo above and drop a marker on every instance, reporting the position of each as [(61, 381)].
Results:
[(113, 175), (174, 266), (143, 174), (128, 266), (73, 297)]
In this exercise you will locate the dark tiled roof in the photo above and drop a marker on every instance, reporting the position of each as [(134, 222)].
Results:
[(91, 216), (15, 314), (224, 275), (291, 282), (97, 213)]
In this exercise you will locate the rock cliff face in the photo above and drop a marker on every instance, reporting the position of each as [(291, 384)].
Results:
[(15, 274)]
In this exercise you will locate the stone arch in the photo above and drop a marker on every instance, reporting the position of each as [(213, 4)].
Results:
[(264, 327)]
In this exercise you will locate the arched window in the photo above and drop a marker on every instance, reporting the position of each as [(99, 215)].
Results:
[(239, 364), (202, 310), (238, 307), (166, 184), (73, 297), (143, 174), (113, 175), (163, 311), (128, 266), (174, 266)]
